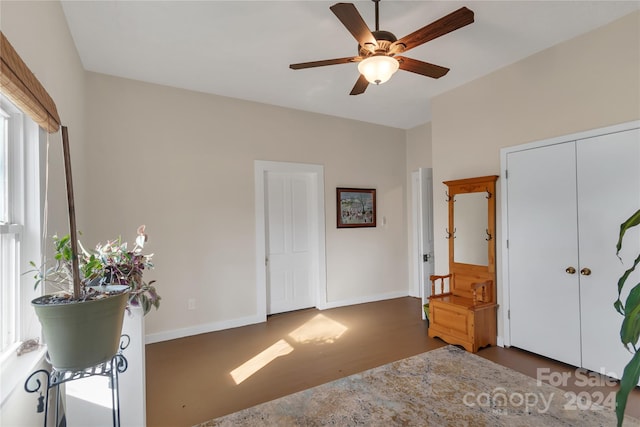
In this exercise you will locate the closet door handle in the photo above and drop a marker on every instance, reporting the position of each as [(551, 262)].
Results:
[(585, 272), (571, 270)]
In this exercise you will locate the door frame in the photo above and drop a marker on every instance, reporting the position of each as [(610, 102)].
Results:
[(415, 290), (317, 222), (505, 340), (422, 235)]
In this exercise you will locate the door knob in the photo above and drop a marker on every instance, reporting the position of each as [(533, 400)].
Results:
[(585, 271), (570, 270)]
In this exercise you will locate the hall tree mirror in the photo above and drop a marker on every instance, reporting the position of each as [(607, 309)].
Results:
[(471, 226), (470, 218)]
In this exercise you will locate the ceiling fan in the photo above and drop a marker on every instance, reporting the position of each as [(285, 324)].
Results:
[(378, 50)]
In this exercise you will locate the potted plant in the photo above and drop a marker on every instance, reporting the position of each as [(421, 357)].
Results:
[(630, 329), (83, 328)]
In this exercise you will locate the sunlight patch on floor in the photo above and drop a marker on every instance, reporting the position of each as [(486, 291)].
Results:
[(253, 365), (320, 329)]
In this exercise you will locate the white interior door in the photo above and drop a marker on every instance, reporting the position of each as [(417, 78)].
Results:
[(542, 243), (426, 205), (290, 252), (422, 189), (608, 194)]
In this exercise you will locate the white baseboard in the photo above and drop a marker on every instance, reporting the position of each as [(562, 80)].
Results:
[(203, 329), (362, 300), (250, 320)]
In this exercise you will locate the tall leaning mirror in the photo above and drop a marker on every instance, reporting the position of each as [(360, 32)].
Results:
[(470, 217), (471, 229)]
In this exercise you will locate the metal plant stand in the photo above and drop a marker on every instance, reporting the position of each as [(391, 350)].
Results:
[(111, 368)]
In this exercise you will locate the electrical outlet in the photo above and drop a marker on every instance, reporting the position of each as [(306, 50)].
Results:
[(191, 304)]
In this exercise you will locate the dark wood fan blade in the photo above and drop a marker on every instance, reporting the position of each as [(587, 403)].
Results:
[(351, 19), (420, 67), (312, 64), (442, 26), (360, 86)]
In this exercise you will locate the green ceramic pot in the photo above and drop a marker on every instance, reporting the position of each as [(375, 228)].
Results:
[(81, 334)]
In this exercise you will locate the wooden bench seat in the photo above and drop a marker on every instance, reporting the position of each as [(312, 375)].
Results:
[(467, 321)]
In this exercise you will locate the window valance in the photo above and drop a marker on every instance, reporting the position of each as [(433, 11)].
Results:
[(22, 87)]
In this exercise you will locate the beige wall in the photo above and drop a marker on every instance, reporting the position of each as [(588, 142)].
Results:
[(39, 33), (183, 164), (419, 147), (585, 83)]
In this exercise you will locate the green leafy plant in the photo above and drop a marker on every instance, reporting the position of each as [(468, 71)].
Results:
[(630, 330), (111, 263)]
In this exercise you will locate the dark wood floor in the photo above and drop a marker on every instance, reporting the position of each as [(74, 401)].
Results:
[(193, 379)]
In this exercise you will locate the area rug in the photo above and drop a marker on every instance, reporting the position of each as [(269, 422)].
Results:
[(443, 387)]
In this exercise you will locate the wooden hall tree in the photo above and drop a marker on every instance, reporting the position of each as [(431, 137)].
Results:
[(463, 304)]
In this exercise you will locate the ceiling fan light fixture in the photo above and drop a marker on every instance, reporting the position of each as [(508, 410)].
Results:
[(378, 69)]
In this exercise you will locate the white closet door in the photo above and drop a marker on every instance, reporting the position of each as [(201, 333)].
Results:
[(608, 193), (542, 244)]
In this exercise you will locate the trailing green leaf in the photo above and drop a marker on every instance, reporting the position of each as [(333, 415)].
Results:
[(631, 222), (622, 281), (630, 378), (630, 330)]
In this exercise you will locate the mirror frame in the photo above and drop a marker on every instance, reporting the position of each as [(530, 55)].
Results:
[(484, 184)]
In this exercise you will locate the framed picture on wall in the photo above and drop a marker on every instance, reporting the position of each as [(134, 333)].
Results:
[(356, 207)]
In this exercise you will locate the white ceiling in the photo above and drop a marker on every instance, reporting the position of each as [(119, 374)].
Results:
[(242, 49)]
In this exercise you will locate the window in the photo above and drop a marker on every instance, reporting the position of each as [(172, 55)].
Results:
[(21, 202), (20, 225), (8, 243)]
